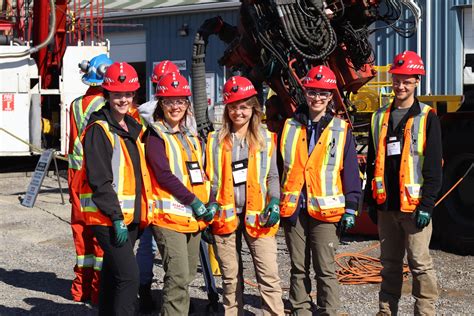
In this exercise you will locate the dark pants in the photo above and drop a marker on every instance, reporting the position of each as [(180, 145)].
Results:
[(120, 275), (314, 240), (180, 255)]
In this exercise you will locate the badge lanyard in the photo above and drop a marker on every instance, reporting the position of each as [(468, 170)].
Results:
[(239, 171), (393, 146), (194, 168)]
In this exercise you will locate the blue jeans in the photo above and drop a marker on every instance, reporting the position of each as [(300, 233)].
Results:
[(146, 252)]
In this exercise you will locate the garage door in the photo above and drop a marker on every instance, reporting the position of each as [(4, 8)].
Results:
[(127, 46)]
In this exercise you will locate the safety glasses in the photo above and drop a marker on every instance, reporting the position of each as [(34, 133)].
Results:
[(323, 95)]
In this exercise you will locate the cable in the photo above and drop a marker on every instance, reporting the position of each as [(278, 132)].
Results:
[(48, 39)]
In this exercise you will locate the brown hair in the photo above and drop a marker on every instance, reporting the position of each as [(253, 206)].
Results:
[(254, 138), (158, 114)]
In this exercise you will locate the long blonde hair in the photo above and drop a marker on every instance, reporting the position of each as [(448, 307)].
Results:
[(254, 137)]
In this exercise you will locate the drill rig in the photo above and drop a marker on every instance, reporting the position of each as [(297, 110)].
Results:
[(41, 44), (278, 41)]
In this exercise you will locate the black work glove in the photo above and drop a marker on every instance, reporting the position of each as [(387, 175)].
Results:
[(208, 236)]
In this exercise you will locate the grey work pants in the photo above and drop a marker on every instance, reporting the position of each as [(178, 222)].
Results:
[(180, 254), (310, 237), (398, 233)]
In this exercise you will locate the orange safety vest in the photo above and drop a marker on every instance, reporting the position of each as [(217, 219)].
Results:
[(80, 116), (123, 184), (133, 112), (219, 171), (168, 211), (320, 172), (411, 163)]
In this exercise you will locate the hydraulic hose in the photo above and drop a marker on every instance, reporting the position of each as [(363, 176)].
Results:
[(32, 50), (199, 85)]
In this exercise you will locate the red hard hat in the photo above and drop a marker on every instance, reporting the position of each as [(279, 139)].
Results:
[(121, 77), (163, 68), (238, 88), (320, 77), (407, 63), (173, 85)]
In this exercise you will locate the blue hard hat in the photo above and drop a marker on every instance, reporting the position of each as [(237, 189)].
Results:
[(94, 69)]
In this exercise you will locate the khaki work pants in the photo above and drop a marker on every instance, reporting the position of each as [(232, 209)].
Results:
[(180, 255), (264, 255), (310, 237), (397, 233)]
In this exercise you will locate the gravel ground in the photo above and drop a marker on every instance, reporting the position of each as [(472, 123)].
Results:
[(37, 259)]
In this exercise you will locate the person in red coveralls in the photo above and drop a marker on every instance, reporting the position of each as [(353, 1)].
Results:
[(85, 286)]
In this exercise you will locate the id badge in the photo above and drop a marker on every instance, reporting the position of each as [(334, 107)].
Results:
[(239, 171), (393, 146), (195, 173)]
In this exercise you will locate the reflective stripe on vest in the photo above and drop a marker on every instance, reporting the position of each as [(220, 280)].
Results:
[(219, 170), (320, 171), (412, 157), (81, 119), (121, 180), (169, 212)]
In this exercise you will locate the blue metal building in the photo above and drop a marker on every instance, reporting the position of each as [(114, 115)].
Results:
[(170, 34), (441, 39), (444, 38)]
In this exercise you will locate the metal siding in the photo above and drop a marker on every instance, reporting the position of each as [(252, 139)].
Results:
[(445, 34), (163, 41), (446, 45)]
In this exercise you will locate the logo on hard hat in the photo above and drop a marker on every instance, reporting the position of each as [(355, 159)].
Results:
[(235, 89), (319, 76), (400, 62), (175, 84), (122, 78)]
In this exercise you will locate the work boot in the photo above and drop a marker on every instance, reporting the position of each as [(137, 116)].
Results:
[(147, 305)]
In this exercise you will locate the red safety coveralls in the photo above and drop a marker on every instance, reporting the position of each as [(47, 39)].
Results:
[(88, 252)]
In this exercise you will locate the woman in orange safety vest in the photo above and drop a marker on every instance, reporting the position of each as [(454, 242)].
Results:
[(320, 190), (241, 165), (115, 186), (180, 189)]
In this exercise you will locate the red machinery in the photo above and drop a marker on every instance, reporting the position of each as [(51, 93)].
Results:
[(73, 22), (277, 41), (37, 35)]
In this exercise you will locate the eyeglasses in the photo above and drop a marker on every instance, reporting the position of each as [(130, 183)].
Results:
[(235, 108), (178, 102), (323, 95), (404, 83)]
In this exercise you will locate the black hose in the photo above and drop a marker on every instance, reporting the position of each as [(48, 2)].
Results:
[(198, 74)]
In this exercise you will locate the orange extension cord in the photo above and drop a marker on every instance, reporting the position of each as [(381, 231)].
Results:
[(360, 268)]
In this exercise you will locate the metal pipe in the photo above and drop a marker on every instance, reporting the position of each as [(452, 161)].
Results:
[(428, 50), (35, 49), (418, 48)]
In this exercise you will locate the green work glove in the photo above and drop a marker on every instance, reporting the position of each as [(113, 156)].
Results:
[(271, 214), (121, 233), (199, 209), (348, 220), (212, 209), (422, 219), (372, 210)]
